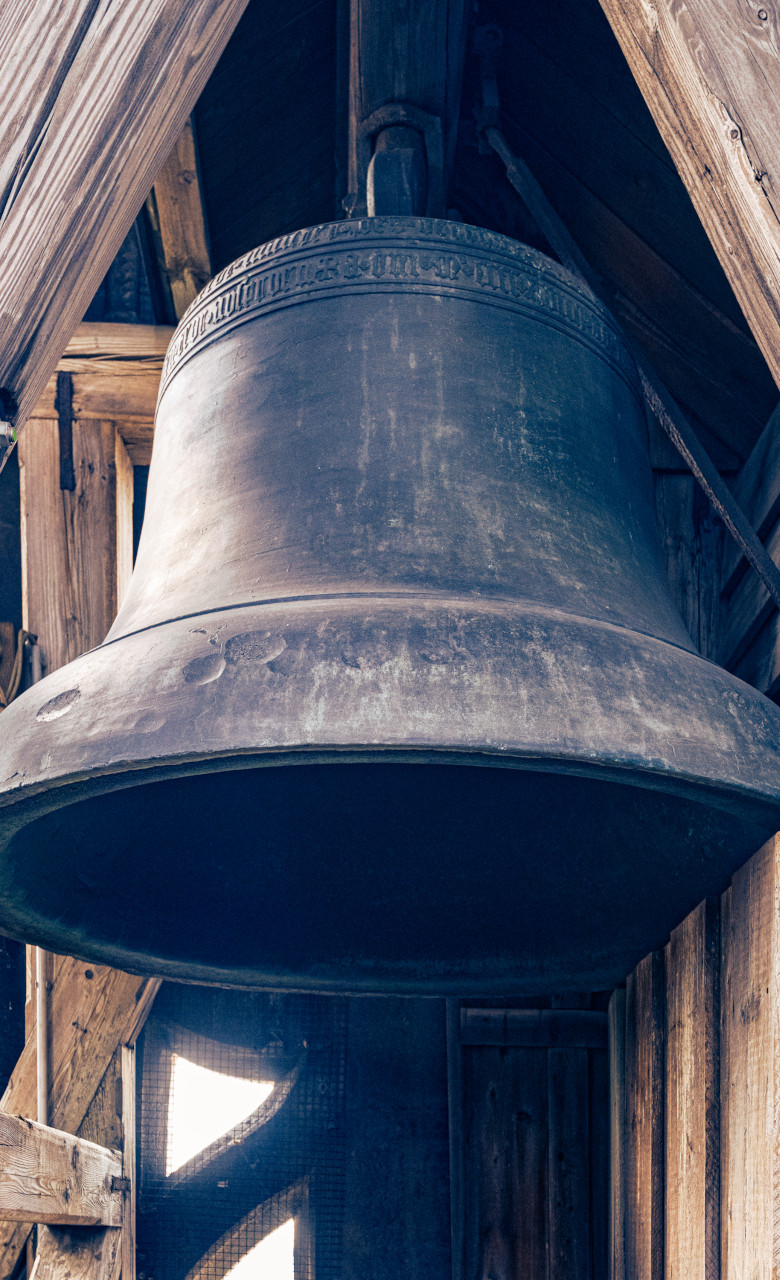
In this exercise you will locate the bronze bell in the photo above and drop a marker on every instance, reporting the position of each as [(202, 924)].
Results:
[(398, 699)]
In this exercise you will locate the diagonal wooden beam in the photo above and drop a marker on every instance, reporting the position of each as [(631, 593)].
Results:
[(709, 71), (179, 221), (52, 1177), (113, 120)]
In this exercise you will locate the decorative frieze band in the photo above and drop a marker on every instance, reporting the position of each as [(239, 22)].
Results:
[(414, 255)]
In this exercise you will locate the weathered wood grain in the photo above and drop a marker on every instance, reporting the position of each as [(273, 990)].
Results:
[(38, 43), (617, 1135), (50, 1176), (644, 1201), (90, 1016), (113, 389), (179, 219), (750, 1069), (86, 1253), (70, 564), (119, 341), (692, 1097), (123, 102), (709, 71), (128, 1106), (506, 1176)]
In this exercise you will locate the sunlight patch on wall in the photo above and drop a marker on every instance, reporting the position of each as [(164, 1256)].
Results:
[(271, 1259), (203, 1105)]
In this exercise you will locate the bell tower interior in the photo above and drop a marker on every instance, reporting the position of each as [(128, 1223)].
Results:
[(389, 676)]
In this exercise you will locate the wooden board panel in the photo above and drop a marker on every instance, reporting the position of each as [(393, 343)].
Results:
[(52, 1177), (38, 43), (644, 1205), (69, 539), (692, 1097), (568, 1164), (617, 1135), (506, 1163), (710, 73), (124, 100), (750, 1054)]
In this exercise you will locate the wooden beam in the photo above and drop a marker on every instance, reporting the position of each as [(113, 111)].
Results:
[(750, 1068), (86, 1253), (112, 121), (179, 221), (411, 54), (115, 371), (52, 1177), (148, 342), (693, 1097), (709, 71), (71, 538), (644, 1157), (93, 1009), (617, 1135)]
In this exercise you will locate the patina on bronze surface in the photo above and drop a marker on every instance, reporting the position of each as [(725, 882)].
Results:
[(398, 699)]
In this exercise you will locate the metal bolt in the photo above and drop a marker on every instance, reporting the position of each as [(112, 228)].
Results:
[(762, 13)]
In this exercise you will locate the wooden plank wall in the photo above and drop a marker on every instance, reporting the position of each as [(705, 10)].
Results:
[(534, 1157), (695, 1075)]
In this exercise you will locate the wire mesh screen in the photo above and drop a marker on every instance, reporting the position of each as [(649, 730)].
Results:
[(240, 1134)]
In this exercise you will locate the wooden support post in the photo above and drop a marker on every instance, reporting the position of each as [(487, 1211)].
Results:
[(644, 1203), (106, 129), (83, 1253), (750, 1068), (52, 1177), (411, 54), (179, 221), (709, 71), (693, 1097), (93, 1010), (617, 1135), (76, 544)]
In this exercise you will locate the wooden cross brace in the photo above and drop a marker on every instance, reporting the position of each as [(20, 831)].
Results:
[(73, 1189)]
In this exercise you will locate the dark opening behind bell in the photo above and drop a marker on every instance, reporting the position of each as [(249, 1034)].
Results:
[(398, 699)]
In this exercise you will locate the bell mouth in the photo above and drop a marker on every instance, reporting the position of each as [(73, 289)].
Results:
[(385, 872), (298, 796)]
